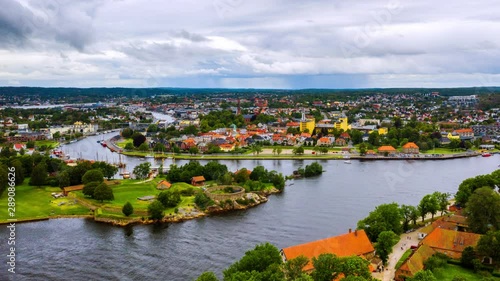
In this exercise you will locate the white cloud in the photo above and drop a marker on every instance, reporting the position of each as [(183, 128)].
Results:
[(276, 43)]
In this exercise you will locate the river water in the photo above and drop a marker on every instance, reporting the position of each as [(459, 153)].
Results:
[(309, 209)]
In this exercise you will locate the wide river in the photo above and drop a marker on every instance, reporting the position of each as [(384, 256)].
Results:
[(309, 209)]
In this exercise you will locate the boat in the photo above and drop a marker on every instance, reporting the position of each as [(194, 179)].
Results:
[(126, 175), (104, 144), (149, 156), (486, 154), (347, 162)]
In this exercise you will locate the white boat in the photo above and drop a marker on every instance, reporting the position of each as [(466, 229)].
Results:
[(347, 162), (149, 156)]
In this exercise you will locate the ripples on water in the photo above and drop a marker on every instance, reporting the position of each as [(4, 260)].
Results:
[(310, 209)]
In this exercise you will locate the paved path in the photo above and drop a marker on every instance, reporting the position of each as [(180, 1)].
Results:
[(405, 242)]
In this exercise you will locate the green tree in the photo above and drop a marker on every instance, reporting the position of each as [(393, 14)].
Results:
[(4, 178), (424, 275), (155, 210), (260, 259), (19, 171), (94, 175), (483, 210), (202, 200), (241, 175), (298, 150), (89, 188), (127, 133), (385, 217), (127, 209), (63, 179), (141, 171), (129, 146), (326, 267), (213, 170), (103, 192), (406, 213), (468, 255), (468, 186), (279, 150), (293, 268), (138, 139), (207, 276), (436, 261), (226, 179), (143, 147), (159, 147), (169, 198), (258, 173), (108, 170), (313, 169), (428, 204), (414, 214), (256, 149), (194, 150), (355, 266), (442, 200), (39, 175), (385, 241), (489, 245)]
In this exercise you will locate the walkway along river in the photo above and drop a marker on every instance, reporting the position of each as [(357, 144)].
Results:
[(310, 209)]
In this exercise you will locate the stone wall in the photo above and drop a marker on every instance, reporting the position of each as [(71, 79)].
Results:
[(240, 192)]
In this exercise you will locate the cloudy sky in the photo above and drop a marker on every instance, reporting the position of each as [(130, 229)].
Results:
[(250, 44)]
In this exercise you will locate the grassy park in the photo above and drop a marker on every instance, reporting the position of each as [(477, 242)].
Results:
[(37, 203)]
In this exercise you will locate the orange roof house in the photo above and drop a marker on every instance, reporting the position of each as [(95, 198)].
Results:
[(386, 149), (414, 263), (163, 185), (324, 141), (410, 148), (450, 242), (227, 147), (198, 181), (354, 243)]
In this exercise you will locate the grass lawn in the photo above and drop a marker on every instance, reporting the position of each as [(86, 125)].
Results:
[(33, 202), (130, 190), (49, 143), (403, 258), (123, 143), (450, 270)]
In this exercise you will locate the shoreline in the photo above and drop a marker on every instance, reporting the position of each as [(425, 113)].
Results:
[(216, 209)]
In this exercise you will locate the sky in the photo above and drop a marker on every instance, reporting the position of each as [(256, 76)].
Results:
[(290, 44)]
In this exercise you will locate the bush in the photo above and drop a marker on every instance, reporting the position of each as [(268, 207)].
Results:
[(169, 198), (189, 191), (437, 260), (127, 209), (202, 200)]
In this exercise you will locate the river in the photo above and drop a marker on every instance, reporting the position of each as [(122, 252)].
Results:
[(309, 209)]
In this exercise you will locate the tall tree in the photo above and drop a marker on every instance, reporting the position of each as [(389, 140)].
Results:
[(39, 175), (489, 245), (424, 275), (63, 179), (207, 276), (94, 175), (327, 267), (386, 240), (141, 171), (155, 210), (483, 210), (128, 209), (103, 192), (293, 268), (385, 217), (258, 260)]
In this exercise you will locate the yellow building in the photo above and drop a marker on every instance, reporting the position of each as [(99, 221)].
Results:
[(382, 131), (342, 124), (451, 136), (308, 124)]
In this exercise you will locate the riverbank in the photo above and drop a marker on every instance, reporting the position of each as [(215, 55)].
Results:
[(38, 204), (287, 154)]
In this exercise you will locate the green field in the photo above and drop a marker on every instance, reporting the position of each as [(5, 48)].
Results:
[(33, 202), (449, 271), (130, 190), (123, 143), (48, 143)]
